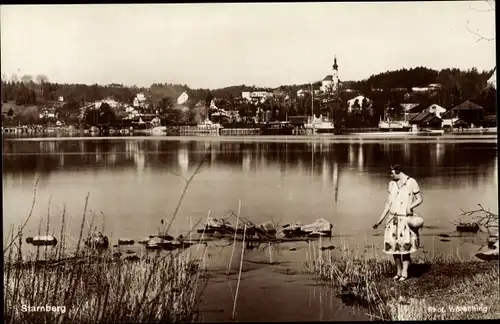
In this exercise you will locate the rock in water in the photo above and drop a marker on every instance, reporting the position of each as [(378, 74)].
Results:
[(155, 243), (44, 240), (320, 225), (317, 234), (266, 228), (490, 255), (468, 228), (97, 241), (219, 225), (125, 241), (163, 236), (493, 242), (293, 230)]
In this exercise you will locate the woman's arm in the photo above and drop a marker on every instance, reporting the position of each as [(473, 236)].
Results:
[(416, 202), (387, 207), (384, 212), (418, 197)]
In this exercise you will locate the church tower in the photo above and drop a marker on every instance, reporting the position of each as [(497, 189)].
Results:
[(335, 84)]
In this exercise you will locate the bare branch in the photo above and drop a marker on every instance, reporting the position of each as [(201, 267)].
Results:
[(480, 37), (188, 182), (179, 175), (27, 219)]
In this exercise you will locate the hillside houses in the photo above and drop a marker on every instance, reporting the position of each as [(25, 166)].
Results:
[(359, 102), (183, 98), (139, 100), (112, 102), (468, 113), (256, 97), (48, 113)]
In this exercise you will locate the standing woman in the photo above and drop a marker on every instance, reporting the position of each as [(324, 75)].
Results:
[(400, 239)]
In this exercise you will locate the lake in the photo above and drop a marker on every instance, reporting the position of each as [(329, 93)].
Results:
[(134, 182)]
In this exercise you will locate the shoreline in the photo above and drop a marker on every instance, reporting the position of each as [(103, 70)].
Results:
[(442, 287), (439, 287), (365, 138)]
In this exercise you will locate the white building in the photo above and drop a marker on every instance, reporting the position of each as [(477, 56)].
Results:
[(331, 82), (245, 95), (436, 110), (48, 113), (360, 99), (110, 101), (302, 92), (183, 98), (256, 95), (420, 89), (139, 100)]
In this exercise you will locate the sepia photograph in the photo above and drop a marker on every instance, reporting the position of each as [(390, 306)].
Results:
[(249, 162)]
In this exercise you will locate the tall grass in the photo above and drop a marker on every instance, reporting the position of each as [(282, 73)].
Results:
[(91, 287), (436, 285)]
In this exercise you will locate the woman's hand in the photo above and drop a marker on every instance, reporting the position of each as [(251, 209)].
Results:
[(375, 225)]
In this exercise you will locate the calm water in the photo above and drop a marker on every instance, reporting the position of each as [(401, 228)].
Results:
[(135, 182)]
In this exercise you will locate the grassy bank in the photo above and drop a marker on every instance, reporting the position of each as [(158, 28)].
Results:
[(434, 290), (101, 290), (86, 285)]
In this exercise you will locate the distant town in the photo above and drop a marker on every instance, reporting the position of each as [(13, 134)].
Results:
[(414, 100)]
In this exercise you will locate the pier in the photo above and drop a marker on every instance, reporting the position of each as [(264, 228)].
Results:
[(239, 131)]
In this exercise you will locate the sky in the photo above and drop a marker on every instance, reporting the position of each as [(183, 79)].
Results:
[(216, 45)]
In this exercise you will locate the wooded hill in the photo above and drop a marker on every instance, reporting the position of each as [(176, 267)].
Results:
[(456, 86)]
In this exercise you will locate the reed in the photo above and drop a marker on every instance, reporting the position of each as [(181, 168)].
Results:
[(439, 281), (239, 274), (97, 288), (234, 241)]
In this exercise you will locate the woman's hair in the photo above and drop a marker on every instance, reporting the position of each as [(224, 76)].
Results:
[(397, 168)]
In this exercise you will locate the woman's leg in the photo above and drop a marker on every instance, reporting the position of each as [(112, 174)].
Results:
[(399, 265), (406, 264)]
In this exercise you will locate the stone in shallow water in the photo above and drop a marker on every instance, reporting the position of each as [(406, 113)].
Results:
[(320, 225), (162, 236), (44, 240), (493, 242), (267, 227), (157, 243), (293, 230), (97, 240), (468, 228), (125, 241), (490, 255)]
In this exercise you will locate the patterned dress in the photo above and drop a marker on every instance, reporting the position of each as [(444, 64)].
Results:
[(398, 237)]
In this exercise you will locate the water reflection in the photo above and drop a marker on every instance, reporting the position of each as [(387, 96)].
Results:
[(345, 183), (421, 160), (183, 159), (360, 157)]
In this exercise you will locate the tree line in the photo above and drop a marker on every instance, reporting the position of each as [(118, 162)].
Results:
[(386, 90)]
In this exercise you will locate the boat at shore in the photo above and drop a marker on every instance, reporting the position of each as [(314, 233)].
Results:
[(320, 125), (385, 133), (277, 128)]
